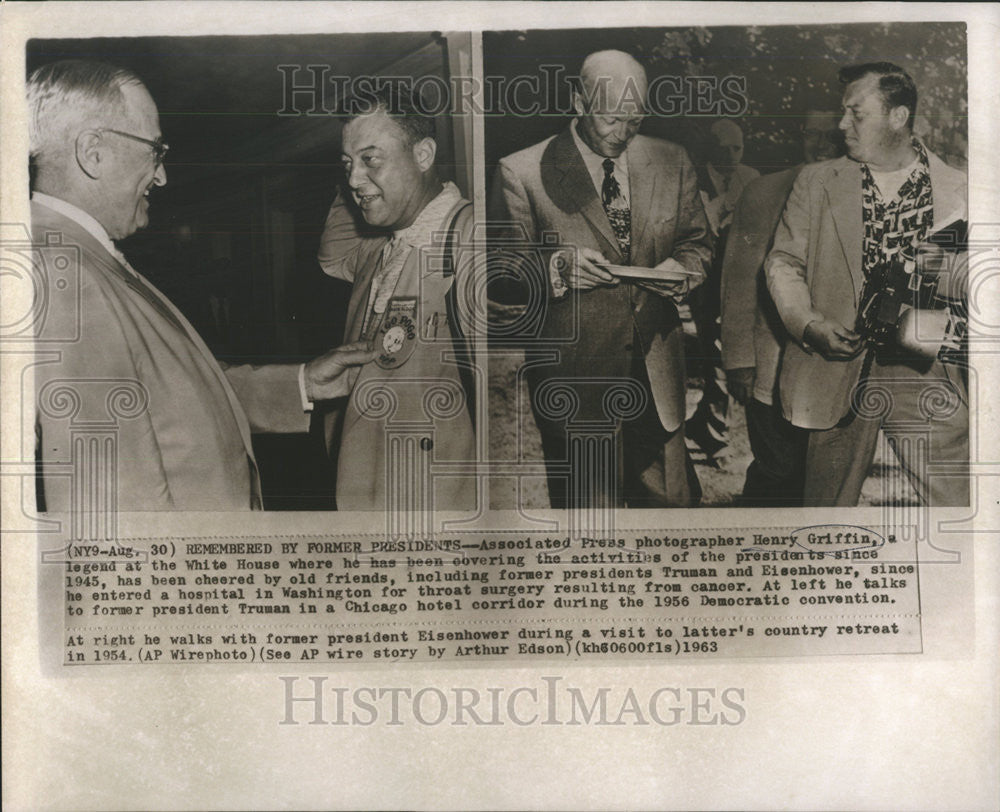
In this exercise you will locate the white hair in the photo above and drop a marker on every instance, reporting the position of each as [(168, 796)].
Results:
[(66, 97)]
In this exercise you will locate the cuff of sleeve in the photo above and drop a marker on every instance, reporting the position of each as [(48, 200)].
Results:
[(306, 403), (797, 326)]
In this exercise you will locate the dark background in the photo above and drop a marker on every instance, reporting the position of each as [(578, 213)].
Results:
[(233, 235)]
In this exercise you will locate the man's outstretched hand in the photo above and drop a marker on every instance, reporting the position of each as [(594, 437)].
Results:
[(324, 375)]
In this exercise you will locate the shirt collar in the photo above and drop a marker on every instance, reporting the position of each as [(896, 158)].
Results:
[(919, 165), (78, 216), (418, 233), (919, 172)]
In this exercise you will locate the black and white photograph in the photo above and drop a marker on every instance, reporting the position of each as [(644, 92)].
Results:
[(499, 405)]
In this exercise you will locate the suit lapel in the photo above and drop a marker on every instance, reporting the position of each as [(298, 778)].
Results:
[(210, 360), (843, 190), (76, 234), (642, 186), (147, 292), (573, 190), (948, 189)]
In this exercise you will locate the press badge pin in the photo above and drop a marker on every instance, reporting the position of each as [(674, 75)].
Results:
[(397, 337)]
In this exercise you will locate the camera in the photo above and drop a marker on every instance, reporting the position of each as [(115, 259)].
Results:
[(916, 300)]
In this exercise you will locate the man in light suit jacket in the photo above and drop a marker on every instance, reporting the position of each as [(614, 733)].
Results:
[(410, 412), (845, 217), (133, 412), (753, 337), (609, 352)]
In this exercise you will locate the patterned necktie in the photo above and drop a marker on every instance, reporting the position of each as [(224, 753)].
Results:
[(610, 190), (619, 216)]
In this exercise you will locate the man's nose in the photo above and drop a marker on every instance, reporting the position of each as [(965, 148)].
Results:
[(844, 122), (160, 175), (356, 176)]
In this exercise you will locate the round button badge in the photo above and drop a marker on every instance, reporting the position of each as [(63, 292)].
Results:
[(397, 333)]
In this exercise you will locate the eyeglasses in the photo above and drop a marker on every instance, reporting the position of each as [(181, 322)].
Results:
[(159, 146)]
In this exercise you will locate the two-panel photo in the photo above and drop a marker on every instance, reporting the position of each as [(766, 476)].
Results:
[(602, 386)]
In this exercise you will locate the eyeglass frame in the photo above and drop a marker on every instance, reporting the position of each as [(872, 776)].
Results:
[(160, 147)]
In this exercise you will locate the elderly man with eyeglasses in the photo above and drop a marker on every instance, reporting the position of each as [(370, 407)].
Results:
[(176, 424)]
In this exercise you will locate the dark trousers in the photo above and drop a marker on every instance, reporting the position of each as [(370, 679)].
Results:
[(635, 463), (708, 427), (776, 476)]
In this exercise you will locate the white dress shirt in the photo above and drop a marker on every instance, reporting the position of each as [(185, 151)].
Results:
[(595, 166)]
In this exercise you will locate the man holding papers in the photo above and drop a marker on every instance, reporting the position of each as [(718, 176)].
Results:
[(610, 342)]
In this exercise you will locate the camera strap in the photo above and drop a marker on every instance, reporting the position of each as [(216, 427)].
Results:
[(460, 343)]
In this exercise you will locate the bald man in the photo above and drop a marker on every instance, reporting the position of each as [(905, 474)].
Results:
[(609, 348), (725, 175)]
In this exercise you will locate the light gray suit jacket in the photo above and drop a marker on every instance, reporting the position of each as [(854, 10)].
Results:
[(134, 389), (752, 333)]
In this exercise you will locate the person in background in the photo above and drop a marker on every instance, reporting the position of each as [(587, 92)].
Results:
[(721, 183)]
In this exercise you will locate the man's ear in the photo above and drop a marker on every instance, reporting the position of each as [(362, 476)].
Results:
[(898, 117), (423, 153), (90, 154), (578, 105)]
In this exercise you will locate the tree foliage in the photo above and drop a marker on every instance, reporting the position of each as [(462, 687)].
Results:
[(792, 68)]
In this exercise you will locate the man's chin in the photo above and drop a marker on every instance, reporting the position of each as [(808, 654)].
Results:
[(141, 219), (375, 218)]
